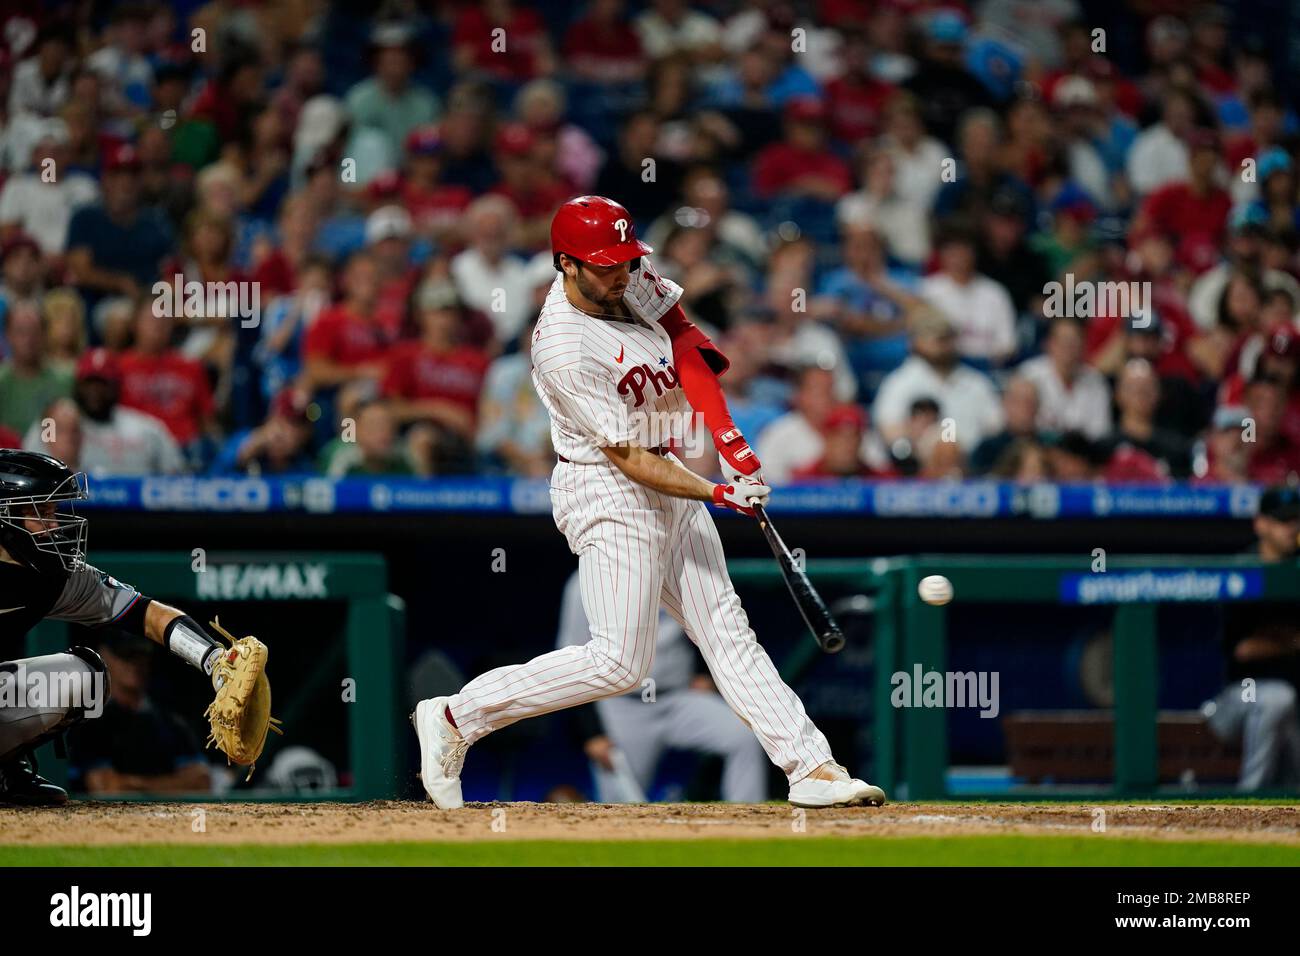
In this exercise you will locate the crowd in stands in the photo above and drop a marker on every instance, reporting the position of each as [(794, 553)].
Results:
[(883, 211)]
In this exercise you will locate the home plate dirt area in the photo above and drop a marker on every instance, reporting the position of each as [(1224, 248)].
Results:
[(95, 824)]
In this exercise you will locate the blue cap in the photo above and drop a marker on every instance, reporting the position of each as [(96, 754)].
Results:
[(945, 26), (1273, 160), (1248, 216)]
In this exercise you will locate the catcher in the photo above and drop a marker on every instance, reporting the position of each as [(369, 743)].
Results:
[(43, 574)]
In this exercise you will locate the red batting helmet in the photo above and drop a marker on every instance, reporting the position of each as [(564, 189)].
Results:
[(596, 230)]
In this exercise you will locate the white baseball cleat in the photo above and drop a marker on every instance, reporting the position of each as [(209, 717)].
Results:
[(831, 786), (442, 753)]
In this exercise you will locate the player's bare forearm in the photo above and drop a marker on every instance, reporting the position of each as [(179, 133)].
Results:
[(658, 473), (156, 618)]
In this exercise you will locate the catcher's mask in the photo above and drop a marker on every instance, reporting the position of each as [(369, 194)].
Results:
[(32, 528)]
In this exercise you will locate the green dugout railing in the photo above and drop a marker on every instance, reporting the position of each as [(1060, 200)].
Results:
[(374, 629), (911, 744)]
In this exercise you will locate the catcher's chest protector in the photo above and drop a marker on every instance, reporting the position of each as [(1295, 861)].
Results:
[(26, 597)]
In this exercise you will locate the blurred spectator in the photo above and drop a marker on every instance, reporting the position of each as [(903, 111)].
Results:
[(42, 80), (671, 26), (1159, 155), (842, 434), (1020, 428), (135, 745), (798, 338), (713, 280), (39, 200), (28, 381), (464, 133), (374, 450), (735, 237), (22, 274), (856, 97), (435, 206), (1137, 395), (621, 177), (437, 378), (514, 431), (113, 321), (120, 62), (1071, 394), (903, 223), (346, 340), (1005, 255), (1224, 457), (1073, 458), (601, 47), (754, 399), (279, 446), (115, 440), (916, 154), (933, 371), (1183, 407), (62, 426), (1023, 461), (562, 147), (64, 317), (1275, 458), (1277, 359), (476, 47), (980, 175), (1194, 213), (796, 441), (1080, 121), (979, 308), (874, 301), (531, 185), (488, 276), (388, 240), (279, 349), (1243, 251), (800, 165), (116, 246), (942, 85), (390, 100), (159, 380), (164, 184), (279, 258)]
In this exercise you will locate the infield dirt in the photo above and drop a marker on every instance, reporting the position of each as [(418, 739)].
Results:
[(119, 824)]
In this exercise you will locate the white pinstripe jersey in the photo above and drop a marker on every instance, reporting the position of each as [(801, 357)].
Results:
[(605, 381)]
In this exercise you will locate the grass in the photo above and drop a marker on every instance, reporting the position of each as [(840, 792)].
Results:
[(1009, 850)]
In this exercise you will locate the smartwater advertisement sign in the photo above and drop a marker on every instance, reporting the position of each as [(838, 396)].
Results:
[(1173, 584)]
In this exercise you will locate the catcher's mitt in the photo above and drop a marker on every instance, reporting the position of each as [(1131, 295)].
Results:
[(240, 715)]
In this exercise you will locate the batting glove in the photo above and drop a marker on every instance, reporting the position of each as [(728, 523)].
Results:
[(735, 456), (741, 496), (650, 293)]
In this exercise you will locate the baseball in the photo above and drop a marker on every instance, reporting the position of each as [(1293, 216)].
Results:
[(935, 589)]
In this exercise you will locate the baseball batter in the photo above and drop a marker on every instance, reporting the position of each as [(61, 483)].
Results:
[(622, 371)]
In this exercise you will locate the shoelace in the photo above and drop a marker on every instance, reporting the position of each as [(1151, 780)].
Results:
[(454, 758)]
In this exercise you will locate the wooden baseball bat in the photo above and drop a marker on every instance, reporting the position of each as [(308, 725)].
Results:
[(816, 615)]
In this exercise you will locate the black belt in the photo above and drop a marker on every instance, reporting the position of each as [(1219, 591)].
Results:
[(661, 451)]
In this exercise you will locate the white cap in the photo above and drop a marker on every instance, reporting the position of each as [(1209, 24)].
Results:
[(388, 222)]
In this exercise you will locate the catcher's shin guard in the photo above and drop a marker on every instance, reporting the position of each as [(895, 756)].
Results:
[(41, 697)]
